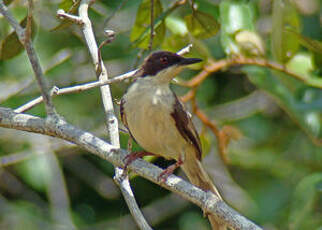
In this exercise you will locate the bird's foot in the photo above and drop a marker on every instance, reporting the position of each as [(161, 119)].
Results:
[(168, 171), (133, 156)]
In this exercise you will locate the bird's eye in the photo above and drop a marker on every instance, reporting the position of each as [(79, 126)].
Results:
[(164, 60)]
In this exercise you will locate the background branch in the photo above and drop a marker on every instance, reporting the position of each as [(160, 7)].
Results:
[(151, 25)]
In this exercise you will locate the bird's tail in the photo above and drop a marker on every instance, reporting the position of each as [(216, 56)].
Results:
[(199, 177)]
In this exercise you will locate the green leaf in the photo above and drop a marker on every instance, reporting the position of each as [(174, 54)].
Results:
[(303, 200), (308, 119), (313, 45), (7, 2), (206, 143), (11, 46), (301, 64), (235, 17), (250, 43), (71, 6), (140, 33), (201, 25), (284, 45), (176, 25), (66, 4), (208, 7)]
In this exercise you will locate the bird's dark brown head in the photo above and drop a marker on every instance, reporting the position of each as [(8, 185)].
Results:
[(161, 60)]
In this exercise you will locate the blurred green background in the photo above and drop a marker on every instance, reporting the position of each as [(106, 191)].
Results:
[(273, 174)]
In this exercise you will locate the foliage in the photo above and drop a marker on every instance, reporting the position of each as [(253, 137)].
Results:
[(276, 162)]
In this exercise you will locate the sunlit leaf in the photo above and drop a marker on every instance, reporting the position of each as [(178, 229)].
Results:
[(201, 25), (140, 33), (303, 200), (11, 46), (284, 45), (70, 7), (176, 25), (301, 64), (206, 143), (250, 43), (235, 17)]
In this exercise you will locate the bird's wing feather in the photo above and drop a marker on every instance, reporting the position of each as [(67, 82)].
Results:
[(123, 118), (185, 126)]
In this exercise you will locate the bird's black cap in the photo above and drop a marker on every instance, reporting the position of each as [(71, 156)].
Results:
[(160, 60)]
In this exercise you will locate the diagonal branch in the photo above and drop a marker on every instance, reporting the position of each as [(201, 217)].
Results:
[(151, 24), (25, 39), (61, 129)]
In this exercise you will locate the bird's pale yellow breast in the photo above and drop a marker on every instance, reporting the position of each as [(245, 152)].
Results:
[(148, 112)]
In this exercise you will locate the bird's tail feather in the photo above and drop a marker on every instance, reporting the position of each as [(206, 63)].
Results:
[(199, 177)]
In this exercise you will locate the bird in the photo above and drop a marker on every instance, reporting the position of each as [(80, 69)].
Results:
[(158, 121)]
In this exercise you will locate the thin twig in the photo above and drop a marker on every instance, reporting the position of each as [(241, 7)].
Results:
[(63, 15), (24, 36), (220, 135), (225, 63), (151, 25), (122, 3), (79, 88)]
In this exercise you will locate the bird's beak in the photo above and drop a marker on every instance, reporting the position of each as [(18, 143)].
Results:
[(188, 61)]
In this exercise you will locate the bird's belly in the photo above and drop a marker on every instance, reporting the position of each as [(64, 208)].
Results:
[(152, 126)]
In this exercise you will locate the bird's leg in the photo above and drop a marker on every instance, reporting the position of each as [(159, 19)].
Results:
[(129, 144), (168, 171), (133, 156)]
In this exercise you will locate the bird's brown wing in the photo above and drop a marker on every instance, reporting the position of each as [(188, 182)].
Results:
[(185, 126), (123, 116)]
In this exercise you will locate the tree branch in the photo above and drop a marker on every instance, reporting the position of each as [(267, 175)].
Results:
[(25, 39), (61, 129)]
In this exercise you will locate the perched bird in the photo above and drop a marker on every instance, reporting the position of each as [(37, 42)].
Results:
[(158, 121)]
